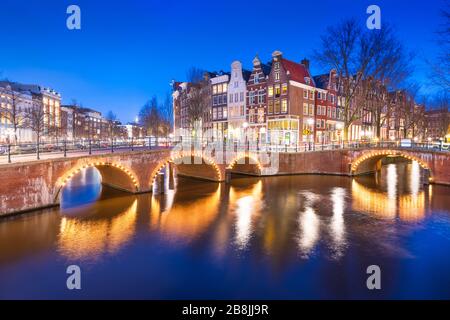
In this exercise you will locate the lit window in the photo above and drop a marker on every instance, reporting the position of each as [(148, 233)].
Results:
[(284, 106), (270, 106), (270, 91), (277, 106), (284, 88), (305, 94), (305, 109), (277, 90)]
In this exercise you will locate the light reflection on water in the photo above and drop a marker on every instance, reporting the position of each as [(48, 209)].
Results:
[(278, 237)]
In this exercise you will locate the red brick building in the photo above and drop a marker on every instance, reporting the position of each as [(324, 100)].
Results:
[(290, 102), (256, 110)]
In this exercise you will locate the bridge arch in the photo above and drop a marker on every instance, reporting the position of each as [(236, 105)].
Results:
[(209, 170), (245, 164), (113, 174), (367, 162)]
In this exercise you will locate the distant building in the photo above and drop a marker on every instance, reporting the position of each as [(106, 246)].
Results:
[(237, 92), (46, 98), (256, 106), (134, 130), (438, 124), (219, 105), (10, 99)]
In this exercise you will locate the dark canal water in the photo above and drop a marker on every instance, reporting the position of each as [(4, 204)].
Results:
[(293, 237)]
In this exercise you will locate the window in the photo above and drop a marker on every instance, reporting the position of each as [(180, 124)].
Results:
[(277, 65), (329, 112), (311, 95), (242, 96), (225, 87), (256, 78), (277, 106), (225, 112), (270, 91), (236, 97), (251, 115), (242, 111), (319, 95), (231, 97), (215, 89), (261, 97), (214, 113), (311, 109), (270, 107), (277, 91), (284, 106), (252, 97), (261, 115), (277, 76), (305, 109), (284, 88), (305, 94)]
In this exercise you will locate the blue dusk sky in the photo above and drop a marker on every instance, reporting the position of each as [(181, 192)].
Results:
[(128, 51)]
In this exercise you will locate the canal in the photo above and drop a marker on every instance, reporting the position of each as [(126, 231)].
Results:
[(288, 237)]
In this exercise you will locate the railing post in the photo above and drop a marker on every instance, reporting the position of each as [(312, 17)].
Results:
[(65, 148), (37, 151), (112, 145), (90, 147), (132, 144), (9, 153)]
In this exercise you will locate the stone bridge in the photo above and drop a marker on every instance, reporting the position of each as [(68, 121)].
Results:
[(37, 184)]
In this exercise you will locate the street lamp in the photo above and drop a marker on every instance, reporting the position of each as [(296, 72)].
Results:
[(310, 123), (245, 126)]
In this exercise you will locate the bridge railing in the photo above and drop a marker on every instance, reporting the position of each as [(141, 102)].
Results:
[(47, 149), (16, 152)]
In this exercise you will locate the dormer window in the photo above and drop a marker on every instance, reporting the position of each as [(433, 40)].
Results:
[(307, 80)]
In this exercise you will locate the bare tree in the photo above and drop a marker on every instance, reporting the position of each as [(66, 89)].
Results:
[(12, 112), (150, 117), (198, 102), (361, 57), (111, 119), (440, 69), (167, 115), (35, 120)]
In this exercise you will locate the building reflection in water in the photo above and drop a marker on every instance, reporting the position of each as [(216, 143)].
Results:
[(246, 205), (308, 224), (407, 206), (337, 224)]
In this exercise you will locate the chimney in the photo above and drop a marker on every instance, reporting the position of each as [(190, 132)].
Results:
[(305, 62)]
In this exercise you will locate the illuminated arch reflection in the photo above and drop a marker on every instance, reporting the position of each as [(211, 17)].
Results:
[(89, 238)]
